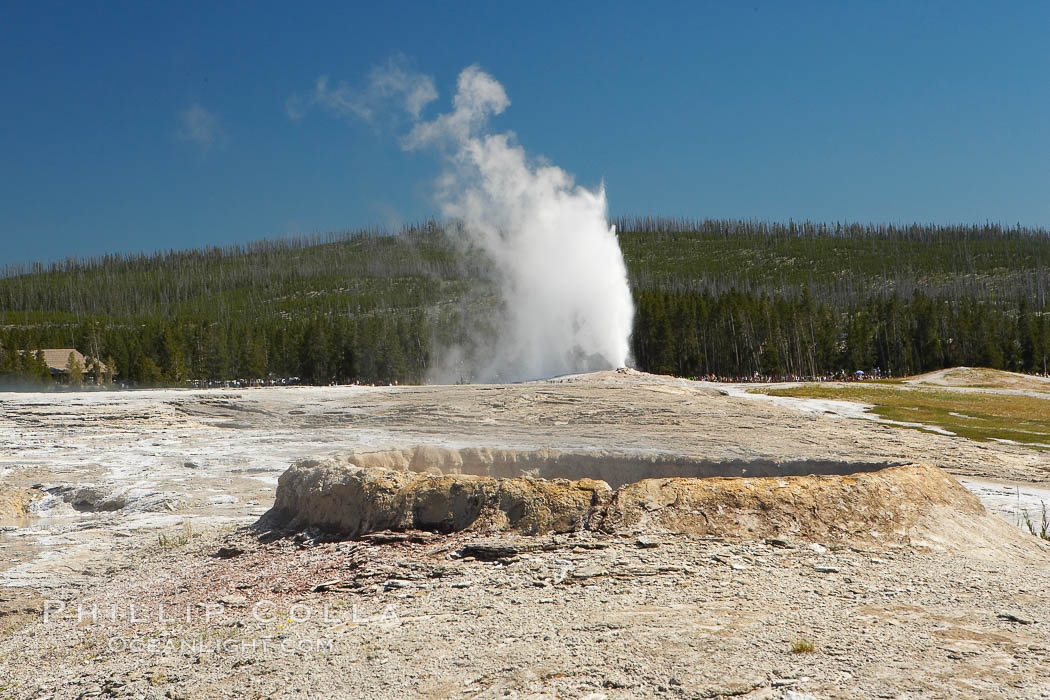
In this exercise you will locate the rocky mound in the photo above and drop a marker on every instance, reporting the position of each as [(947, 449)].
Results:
[(408, 490), (350, 500), (980, 377), (614, 468)]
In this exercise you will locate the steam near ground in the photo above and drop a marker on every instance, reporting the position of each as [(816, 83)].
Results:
[(565, 304)]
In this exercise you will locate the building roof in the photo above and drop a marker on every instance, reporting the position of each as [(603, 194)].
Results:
[(58, 358)]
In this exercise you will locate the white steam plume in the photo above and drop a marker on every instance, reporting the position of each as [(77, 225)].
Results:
[(562, 277), (566, 303), (393, 81)]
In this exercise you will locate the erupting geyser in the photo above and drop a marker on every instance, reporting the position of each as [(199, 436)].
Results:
[(567, 306)]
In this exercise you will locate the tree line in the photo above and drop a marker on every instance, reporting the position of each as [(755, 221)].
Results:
[(737, 334), (164, 352), (713, 297)]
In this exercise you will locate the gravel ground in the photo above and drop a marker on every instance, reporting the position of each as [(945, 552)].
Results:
[(641, 614), (566, 616)]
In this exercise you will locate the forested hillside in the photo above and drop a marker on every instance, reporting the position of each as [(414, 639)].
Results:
[(732, 298), (727, 298), (838, 263)]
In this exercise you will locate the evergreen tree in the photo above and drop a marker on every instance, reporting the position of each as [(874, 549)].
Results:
[(39, 367), (75, 370)]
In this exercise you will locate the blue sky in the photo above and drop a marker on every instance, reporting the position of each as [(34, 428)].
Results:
[(140, 126)]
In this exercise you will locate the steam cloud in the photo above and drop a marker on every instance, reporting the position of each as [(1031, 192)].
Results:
[(391, 81), (568, 306), (200, 126), (566, 302)]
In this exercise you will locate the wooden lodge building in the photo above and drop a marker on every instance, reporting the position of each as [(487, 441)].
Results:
[(57, 360)]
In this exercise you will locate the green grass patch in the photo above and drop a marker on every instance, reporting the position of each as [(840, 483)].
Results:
[(977, 416), (1038, 527)]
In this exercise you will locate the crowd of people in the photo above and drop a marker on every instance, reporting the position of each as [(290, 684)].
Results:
[(758, 378)]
